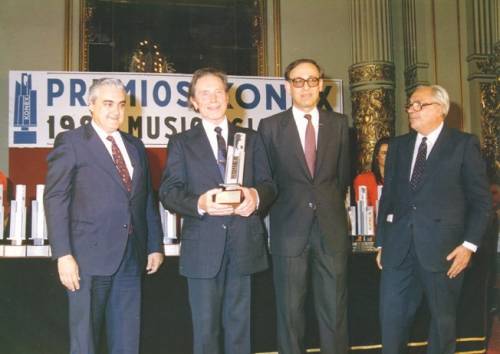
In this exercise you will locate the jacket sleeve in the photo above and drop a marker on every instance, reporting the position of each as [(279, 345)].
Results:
[(174, 194), (385, 204), (477, 194), (57, 196)]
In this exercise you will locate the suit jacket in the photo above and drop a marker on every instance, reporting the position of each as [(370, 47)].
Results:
[(301, 197), (88, 209), (191, 171), (451, 204)]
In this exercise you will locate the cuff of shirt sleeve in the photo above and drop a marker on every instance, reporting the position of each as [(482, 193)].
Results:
[(470, 246)]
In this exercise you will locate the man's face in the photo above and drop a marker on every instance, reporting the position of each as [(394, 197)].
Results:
[(210, 98), (108, 109), (304, 98), (430, 116)]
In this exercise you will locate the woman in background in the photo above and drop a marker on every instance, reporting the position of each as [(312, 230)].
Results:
[(374, 178)]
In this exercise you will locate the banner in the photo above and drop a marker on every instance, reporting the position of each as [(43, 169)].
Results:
[(43, 104)]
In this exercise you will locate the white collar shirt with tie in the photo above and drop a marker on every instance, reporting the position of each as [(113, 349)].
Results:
[(431, 140), (301, 124), (119, 142), (212, 135)]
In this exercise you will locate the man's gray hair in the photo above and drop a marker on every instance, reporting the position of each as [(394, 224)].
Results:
[(97, 84), (441, 96)]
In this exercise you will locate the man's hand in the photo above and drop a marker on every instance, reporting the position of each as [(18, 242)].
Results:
[(68, 272), (461, 257), (155, 260), (249, 204), (206, 203), (378, 259)]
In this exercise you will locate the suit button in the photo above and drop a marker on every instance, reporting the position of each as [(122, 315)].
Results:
[(125, 226), (311, 205), (414, 207), (224, 226)]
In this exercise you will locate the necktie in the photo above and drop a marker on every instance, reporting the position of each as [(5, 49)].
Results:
[(120, 164), (221, 151), (419, 167), (310, 145)]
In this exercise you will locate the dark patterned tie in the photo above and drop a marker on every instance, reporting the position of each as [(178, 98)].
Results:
[(419, 167), (120, 164), (221, 151), (310, 145)]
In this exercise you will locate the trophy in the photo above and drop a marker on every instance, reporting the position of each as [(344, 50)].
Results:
[(38, 246), (169, 227), (17, 231), (233, 179)]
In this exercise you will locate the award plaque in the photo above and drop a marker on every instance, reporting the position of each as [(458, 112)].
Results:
[(233, 179)]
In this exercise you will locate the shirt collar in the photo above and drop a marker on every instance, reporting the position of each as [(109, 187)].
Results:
[(299, 113), (102, 134), (432, 136), (209, 126)]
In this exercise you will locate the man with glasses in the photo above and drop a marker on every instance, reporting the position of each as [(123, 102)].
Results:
[(309, 157), (433, 213)]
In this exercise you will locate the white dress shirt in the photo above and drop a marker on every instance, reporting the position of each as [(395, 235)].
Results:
[(119, 142), (301, 123), (431, 140), (212, 135)]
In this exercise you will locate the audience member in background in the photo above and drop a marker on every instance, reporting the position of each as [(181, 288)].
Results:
[(374, 178)]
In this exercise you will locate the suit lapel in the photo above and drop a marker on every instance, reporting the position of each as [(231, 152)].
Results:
[(101, 155), (326, 133), (407, 155), (292, 139), (436, 155), (133, 154), (204, 153)]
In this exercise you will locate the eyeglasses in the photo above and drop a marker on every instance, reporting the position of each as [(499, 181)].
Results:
[(417, 106), (299, 82)]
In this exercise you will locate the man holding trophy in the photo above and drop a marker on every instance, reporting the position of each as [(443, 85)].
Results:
[(218, 178)]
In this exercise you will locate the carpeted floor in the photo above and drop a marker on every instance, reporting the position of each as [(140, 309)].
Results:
[(494, 341)]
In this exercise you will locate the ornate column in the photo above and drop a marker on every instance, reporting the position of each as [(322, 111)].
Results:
[(484, 77), (371, 76)]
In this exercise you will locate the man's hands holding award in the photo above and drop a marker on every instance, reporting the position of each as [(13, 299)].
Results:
[(207, 203), (232, 197)]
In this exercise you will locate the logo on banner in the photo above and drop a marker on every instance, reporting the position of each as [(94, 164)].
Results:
[(25, 111)]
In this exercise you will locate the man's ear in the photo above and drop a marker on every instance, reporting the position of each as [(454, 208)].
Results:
[(194, 104)]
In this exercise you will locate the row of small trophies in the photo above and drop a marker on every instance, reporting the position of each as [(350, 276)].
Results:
[(362, 218), (17, 245)]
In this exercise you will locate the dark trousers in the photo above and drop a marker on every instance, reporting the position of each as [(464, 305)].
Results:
[(220, 310), (401, 293), (291, 278), (114, 300)]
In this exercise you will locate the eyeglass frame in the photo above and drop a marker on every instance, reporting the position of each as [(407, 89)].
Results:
[(418, 104), (295, 81)]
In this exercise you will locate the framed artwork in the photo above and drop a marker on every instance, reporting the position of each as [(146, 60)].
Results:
[(173, 36)]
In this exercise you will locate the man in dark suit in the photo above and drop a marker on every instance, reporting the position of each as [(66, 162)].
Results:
[(308, 228), (102, 222), (221, 245), (433, 213)]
